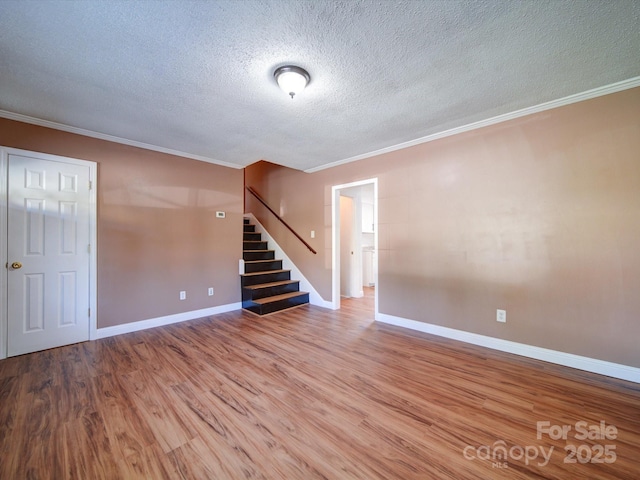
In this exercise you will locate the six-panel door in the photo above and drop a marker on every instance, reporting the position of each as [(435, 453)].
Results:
[(48, 241)]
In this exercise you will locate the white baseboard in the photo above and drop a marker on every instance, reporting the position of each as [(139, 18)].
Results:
[(167, 320), (588, 364), (287, 263)]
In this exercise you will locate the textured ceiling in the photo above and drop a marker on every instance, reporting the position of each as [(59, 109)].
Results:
[(197, 77)]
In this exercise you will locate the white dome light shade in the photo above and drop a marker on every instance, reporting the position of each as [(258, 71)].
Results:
[(292, 79)]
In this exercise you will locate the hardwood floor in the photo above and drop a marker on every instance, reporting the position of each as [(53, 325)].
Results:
[(303, 394)]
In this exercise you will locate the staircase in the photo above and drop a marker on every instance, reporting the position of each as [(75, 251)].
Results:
[(266, 287)]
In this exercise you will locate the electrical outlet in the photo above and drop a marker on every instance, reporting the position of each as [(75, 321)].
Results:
[(183, 295), (210, 291), (313, 234), (221, 214), (501, 316)]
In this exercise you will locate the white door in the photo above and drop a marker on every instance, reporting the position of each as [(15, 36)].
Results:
[(48, 223)]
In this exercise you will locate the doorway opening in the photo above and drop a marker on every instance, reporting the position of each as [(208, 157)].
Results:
[(354, 211)]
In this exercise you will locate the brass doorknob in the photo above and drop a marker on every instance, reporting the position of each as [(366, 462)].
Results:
[(16, 265)]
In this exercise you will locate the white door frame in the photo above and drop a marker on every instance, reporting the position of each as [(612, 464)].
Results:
[(93, 263), (335, 238)]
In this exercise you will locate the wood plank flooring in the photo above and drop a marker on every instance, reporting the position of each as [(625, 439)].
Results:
[(304, 394)]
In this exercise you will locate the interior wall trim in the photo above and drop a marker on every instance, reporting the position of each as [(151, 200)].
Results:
[(561, 102), (166, 320), (18, 117), (593, 365), (578, 97)]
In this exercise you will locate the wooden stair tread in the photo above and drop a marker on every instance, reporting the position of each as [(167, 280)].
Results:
[(262, 273), (270, 284), (263, 315), (254, 251), (258, 261), (275, 298)]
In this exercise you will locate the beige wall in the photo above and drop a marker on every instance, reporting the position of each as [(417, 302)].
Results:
[(157, 231), (539, 216)]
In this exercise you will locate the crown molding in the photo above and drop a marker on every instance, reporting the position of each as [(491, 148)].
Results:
[(110, 138), (578, 97)]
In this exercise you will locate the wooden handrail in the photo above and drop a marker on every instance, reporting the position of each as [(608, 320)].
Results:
[(255, 194)]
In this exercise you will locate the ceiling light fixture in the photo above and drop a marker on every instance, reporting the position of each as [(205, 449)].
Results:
[(292, 79)]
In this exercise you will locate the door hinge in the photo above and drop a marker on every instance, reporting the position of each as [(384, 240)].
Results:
[(90, 184), (89, 312), (89, 248)]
